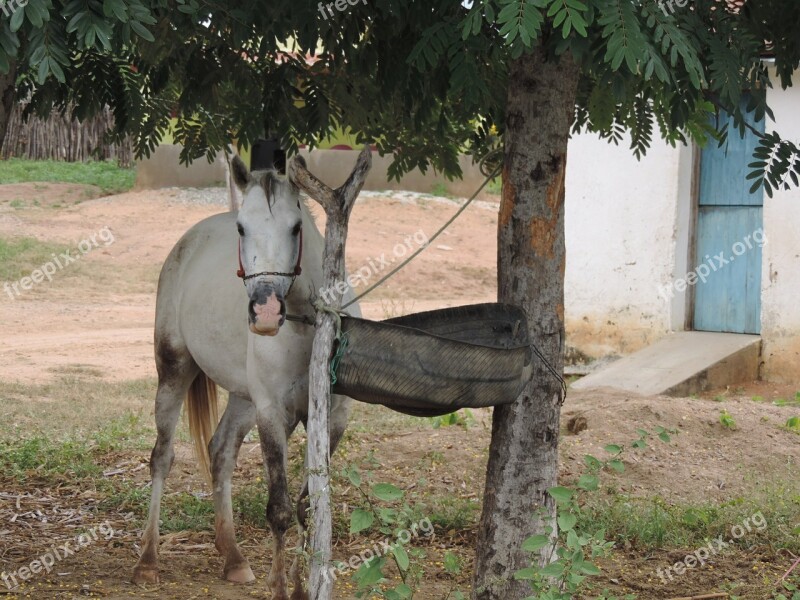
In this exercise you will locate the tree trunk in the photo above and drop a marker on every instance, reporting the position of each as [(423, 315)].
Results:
[(8, 94), (523, 458), (337, 204)]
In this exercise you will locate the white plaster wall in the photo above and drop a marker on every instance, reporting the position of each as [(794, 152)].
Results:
[(626, 233), (780, 286)]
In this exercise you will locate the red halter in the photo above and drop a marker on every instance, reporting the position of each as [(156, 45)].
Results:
[(297, 268)]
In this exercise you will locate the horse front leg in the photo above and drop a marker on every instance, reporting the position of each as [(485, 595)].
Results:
[(273, 432)]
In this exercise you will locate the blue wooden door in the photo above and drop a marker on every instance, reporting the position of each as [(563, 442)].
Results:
[(729, 238)]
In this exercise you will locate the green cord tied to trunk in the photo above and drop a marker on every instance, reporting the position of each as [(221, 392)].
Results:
[(341, 340)]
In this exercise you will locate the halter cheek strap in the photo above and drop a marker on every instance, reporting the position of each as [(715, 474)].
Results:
[(297, 268)]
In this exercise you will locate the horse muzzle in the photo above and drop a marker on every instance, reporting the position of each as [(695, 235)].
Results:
[(267, 312)]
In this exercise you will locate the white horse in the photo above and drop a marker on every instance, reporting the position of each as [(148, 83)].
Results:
[(202, 339)]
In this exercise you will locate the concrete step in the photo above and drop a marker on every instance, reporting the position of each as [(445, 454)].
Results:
[(682, 363)]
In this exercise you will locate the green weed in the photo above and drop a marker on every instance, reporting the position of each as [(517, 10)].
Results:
[(726, 420), (108, 176), (462, 418), (20, 256)]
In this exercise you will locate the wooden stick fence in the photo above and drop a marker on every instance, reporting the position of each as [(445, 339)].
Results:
[(62, 138)]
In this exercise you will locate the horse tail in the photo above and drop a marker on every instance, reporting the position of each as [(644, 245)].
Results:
[(203, 416)]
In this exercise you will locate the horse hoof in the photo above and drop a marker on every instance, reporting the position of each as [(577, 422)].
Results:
[(145, 575), (242, 574)]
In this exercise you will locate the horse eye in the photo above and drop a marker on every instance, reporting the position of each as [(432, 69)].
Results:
[(240, 229), (297, 228)]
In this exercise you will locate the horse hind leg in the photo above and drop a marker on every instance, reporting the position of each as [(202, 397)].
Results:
[(176, 372), (238, 419)]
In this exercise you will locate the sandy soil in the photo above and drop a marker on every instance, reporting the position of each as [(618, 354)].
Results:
[(97, 315)]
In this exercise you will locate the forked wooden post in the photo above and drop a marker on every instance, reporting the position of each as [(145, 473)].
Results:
[(337, 204)]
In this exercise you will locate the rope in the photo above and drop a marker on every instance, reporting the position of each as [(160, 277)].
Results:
[(562, 393), (457, 214)]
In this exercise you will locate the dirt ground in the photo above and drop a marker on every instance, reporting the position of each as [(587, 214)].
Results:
[(95, 320)]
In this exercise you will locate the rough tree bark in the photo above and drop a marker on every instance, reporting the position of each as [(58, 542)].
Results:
[(8, 95), (337, 204), (523, 458)]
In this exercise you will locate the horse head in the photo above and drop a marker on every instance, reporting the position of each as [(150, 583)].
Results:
[(270, 228)]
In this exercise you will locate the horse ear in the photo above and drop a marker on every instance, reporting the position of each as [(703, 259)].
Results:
[(239, 172)]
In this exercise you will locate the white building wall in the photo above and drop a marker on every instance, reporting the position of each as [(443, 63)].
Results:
[(627, 227), (780, 297)]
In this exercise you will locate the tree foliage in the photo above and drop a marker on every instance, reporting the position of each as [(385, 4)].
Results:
[(425, 79)]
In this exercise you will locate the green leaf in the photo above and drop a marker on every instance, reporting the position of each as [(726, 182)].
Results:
[(360, 520), (401, 556), (535, 543), (567, 521), (43, 71), (452, 564), (592, 462), (16, 20), (403, 591), (387, 492), (589, 569), (56, 70), (526, 574), (554, 569), (142, 31), (560, 494), (354, 476), (115, 8), (617, 465), (370, 573), (588, 482), (613, 449), (573, 541)]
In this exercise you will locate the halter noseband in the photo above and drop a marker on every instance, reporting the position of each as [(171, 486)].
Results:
[(297, 268)]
